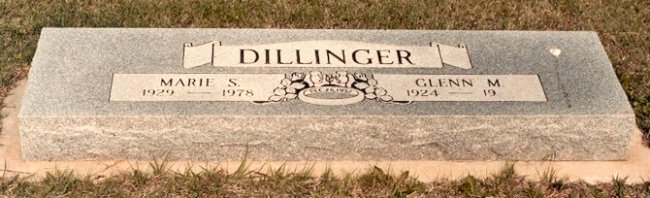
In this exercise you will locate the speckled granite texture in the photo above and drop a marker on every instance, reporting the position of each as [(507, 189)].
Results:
[(66, 112)]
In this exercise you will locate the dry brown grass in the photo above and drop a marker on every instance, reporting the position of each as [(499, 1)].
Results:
[(280, 182)]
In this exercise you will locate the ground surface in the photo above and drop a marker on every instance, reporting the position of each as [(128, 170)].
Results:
[(623, 26)]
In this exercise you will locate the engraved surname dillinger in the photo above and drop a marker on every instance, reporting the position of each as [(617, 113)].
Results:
[(326, 53), (325, 56)]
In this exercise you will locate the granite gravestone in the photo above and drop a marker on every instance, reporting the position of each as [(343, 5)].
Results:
[(212, 94)]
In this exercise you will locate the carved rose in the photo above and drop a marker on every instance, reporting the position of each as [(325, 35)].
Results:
[(293, 84)]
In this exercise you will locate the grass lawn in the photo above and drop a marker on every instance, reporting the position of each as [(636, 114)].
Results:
[(281, 182), (623, 26)]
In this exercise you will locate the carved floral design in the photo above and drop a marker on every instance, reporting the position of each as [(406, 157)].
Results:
[(297, 82), (290, 88), (369, 87)]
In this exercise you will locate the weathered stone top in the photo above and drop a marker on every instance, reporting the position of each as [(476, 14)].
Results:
[(73, 68)]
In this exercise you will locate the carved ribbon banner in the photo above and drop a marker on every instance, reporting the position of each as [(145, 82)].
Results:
[(326, 53)]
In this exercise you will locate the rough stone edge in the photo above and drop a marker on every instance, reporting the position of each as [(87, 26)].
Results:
[(291, 138)]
